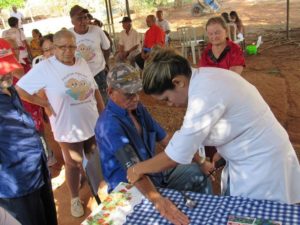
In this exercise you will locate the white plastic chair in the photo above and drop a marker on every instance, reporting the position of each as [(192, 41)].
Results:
[(232, 33), (37, 59), (188, 39)]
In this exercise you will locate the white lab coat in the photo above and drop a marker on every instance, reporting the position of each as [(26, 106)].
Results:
[(226, 111)]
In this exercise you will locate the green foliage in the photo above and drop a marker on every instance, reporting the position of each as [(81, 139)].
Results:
[(9, 3)]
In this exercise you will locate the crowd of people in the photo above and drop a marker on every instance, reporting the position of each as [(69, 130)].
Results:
[(94, 106)]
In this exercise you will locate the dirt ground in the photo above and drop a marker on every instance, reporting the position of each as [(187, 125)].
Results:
[(275, 71)]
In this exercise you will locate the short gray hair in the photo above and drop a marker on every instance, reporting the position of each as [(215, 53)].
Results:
[(63, 33)]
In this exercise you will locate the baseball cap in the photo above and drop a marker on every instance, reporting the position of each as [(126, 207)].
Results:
[(125, 19), (76, 9), (8, 61), (125, 77)]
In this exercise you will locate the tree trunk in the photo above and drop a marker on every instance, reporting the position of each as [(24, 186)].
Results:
[(178, 3)]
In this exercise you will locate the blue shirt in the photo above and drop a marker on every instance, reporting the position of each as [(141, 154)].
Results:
[(114, 129), (22, 160)]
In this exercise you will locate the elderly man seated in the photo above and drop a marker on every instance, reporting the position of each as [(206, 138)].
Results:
[(129, 43), (153, 36), (126, 133)]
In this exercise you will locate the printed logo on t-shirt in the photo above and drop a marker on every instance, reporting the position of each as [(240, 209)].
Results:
[(78, 89), (86, 52)]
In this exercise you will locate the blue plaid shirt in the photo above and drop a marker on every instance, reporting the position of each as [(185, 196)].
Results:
[(114, 129), (22, 159)]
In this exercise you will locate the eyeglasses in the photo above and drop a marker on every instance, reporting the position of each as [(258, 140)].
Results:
[(66, 47)]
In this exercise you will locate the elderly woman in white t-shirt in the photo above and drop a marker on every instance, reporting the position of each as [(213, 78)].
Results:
[(73, 105)]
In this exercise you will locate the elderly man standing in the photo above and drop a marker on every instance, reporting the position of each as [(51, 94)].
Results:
[(153, 36), (126, 129), (25, 185), (18, 15), (163, 24), (129, 43), (90, 41)]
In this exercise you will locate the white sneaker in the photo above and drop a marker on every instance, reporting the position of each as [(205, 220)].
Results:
[(76, 207)]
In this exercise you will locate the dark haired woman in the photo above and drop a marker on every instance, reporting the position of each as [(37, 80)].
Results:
[(35, 47), (226, 111)]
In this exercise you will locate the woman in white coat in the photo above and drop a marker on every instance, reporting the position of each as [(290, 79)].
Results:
[(225, 111)]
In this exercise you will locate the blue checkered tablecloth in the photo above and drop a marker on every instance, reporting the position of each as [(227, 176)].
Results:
[(214, 210)]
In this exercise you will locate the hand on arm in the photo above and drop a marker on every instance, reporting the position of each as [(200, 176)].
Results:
[(156, 164), (37, 100), (216, 158), (205, 165), (133, 48)]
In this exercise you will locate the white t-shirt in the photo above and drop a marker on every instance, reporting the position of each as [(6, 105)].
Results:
[(226, 111), (19, 36), (71, 92), (18, 15), (89, 47), (130, 40), (164, 24)]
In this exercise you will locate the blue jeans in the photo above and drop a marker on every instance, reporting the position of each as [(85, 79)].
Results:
[(100, 79), (187, 178)]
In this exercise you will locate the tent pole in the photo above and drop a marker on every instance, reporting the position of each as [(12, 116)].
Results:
[(287, 19), (127, 8), (108, 17)]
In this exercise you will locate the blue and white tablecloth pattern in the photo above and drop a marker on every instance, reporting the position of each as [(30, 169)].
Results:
[(214, 210)]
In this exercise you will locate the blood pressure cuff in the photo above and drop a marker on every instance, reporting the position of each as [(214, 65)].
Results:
[(127, 156)]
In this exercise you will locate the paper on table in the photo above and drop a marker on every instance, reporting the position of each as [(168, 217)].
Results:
[(114, 209), (243, 220)]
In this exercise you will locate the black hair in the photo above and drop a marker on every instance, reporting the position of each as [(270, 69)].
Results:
[(13, 21), (162, 67), (225, 16), (38, 32), (46, 37)]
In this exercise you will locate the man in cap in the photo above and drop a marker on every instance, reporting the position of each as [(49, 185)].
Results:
[(90, 41), (126, 133), (25, 184), (129, 42)]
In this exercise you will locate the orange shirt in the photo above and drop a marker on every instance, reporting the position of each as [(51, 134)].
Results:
[(154, 36)]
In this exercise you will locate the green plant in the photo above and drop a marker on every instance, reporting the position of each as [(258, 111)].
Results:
[(9, 3)]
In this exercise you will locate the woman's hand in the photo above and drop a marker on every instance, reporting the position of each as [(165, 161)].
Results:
[(168, 210), (207, 167), (216, 157), (49, 110), (133, 175)]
